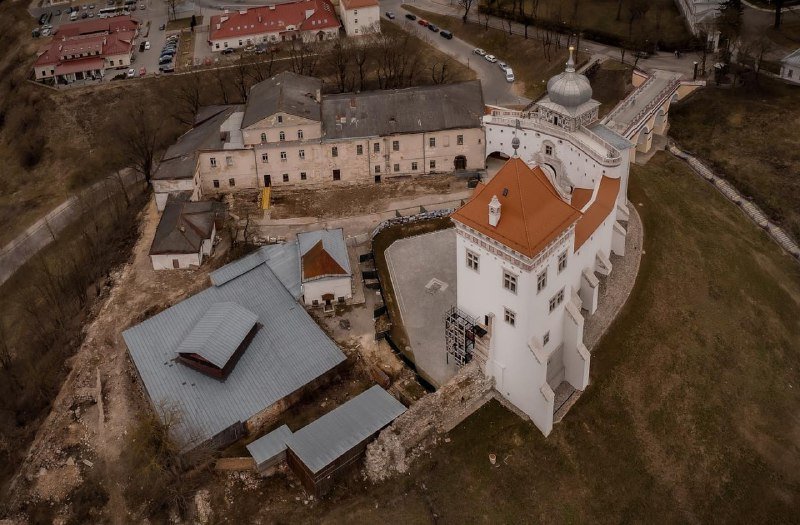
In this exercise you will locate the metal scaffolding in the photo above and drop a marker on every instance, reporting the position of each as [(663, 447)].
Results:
[(459, 335)]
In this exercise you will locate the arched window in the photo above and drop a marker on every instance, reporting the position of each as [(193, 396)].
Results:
[(263, 137), (282, 136)]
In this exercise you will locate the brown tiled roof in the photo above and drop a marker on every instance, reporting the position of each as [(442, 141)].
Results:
[(259, 20), (580, 197), (317, 262), (599, 210), (532, 213)]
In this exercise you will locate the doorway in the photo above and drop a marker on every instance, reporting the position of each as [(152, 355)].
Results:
[(460, 162), (267, 181)]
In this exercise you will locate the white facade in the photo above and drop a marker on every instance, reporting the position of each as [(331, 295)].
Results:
[(179, 261), (360, 20), (790, 67), (341, 288)]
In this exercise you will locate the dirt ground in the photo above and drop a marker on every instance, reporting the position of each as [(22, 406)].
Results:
[(346, 201)]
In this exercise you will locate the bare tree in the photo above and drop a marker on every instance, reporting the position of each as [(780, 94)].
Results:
[(440, 73), (140, 136), (187, 94), (361, 56), (221, 78), (242, 78), (341, 57), (172, 6), (6, 353), (304, 57), (466, 5)]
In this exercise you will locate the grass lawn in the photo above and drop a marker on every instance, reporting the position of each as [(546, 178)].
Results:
[(692, 411), (525, 56), (750, 136)]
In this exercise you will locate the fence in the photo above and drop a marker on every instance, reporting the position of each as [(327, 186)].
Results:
[(44, 231)]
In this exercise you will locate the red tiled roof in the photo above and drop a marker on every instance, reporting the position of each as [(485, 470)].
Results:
[(98, 25), (580, 196), (98, 46), (599, 210), (259, 20), (84, 64), (531, 215), (317, 262), (357, 4)]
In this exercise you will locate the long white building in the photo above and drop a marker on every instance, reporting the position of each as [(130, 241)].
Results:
[(532, 242)]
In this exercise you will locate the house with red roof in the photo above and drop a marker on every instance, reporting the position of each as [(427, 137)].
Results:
[(310, 20), (87, 50), (360, 17)]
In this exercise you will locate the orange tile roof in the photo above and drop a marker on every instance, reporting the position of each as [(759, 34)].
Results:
[(580, 197), (600, 209), (260, 20), (532, 214), (357, 4), (317, 262)]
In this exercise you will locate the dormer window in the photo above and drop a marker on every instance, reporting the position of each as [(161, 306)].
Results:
[(548, 150)]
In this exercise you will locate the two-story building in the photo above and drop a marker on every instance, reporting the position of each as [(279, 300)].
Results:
[(360, 17)]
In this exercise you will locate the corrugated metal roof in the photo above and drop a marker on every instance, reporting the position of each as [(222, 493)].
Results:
[(270, 445), (792, 58), (330, 436), (238, 267), (283, 260), (332, 241), (288, 352), (217, 335)]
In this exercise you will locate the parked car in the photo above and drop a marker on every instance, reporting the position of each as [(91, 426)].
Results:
[(165, 60), (147, 44), (509, 75), (162, 26), (228, 51), (131, 73), (142, 7), (91, 15), (422, 22), (503, 65), (141, 47), (411, 16), (91, 6), (46, 31), (84, 15), (44, 18), (169, 67), (433, 27), (490, 58), (390, 15), (446, 34), (84, 7), (249, 49), (57, 12), (478, 51), (142, 71)]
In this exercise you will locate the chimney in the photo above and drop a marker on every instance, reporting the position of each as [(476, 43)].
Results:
[(494, 211)]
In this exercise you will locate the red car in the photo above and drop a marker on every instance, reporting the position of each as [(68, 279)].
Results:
[(423, 22), (142, 71)]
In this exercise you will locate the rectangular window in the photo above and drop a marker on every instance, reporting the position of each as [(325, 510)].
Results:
[(395, 145), (460, 140), (302, 153), (337, 175), (545, 338), (541, 281), (216, 183), (509, 281), (359, 149), (303, 175), (334, 151), (280, 119), (376, 147), (432, 142), (473, 261), (562, 262), (285, 177), (433, 164), (413, 166), (283, 155), (213, 162), (264, 158), (281, 136), (299, 134), (548, 150), (557, 299), (377, 169), (510, 317), (397, 167), (231, 182), (229, 161)]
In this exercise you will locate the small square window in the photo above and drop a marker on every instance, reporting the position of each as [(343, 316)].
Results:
[(541, 281), (359, 149), (280, 119), (460, 140), (377, 169), (303, 175), (473, 261), (562, 262), (548, 150), (213, 162), (229, 161), (376, 147), (283, 155), (299, 134), (302, 153), (264, 158), (510, 317), (263, 137), (433, 164), (413, 166), (432, 142), (231, 182), (395, 145), (216, 183), (509, 281), (285, 177), (334, 151), (396, 167)]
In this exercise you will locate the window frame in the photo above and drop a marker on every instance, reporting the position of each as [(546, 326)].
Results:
[(473, 261), (510, 281), (562, 261), (541, 281), (509, 316)]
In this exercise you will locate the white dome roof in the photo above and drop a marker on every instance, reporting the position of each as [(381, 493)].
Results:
[(569, 89)]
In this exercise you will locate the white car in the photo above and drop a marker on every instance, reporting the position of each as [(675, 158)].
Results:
[(491, 58), (478, 51), (509, 75), (147, 45), (503, 65), (131, 73)]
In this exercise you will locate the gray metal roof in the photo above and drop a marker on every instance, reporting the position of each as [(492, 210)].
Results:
[(284, 261), (238, 267), (218, 333), (286, 353), (183, 227), (270, 445), (330, 436), (332, 242), (410, 110), (286, 92), (611, 136), (792, 58)]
